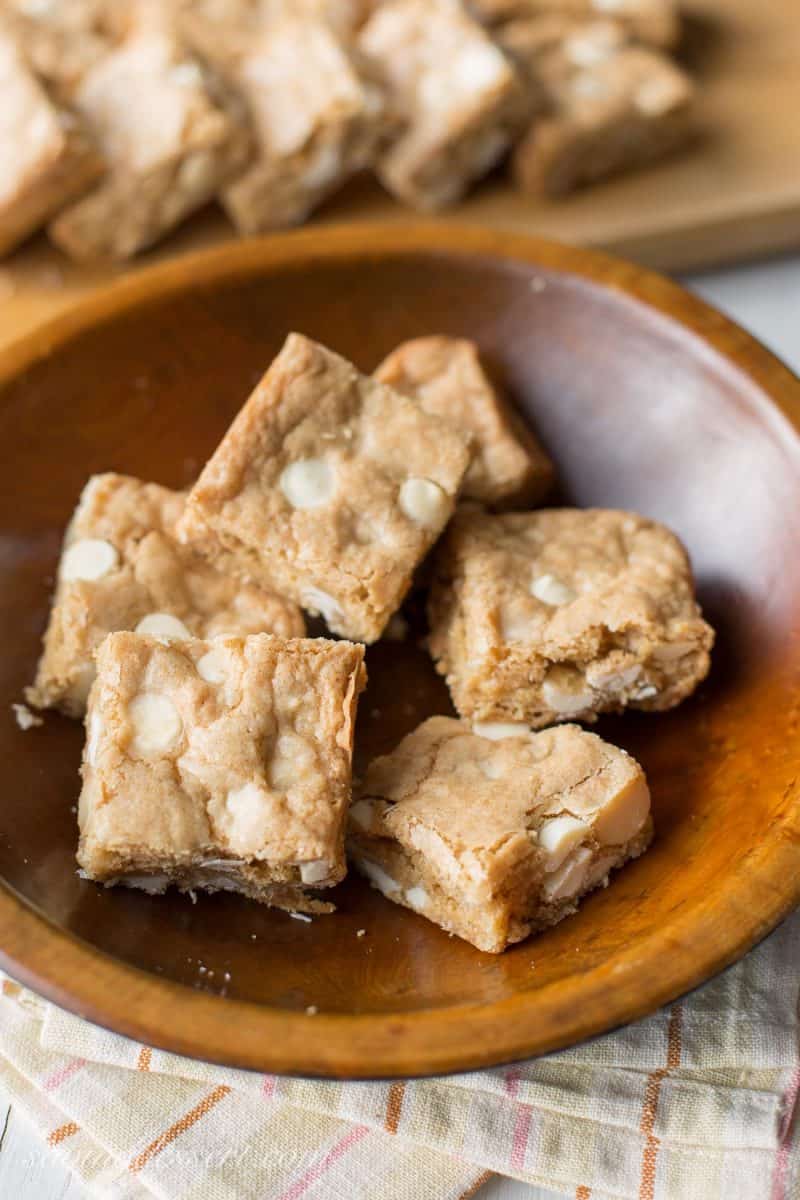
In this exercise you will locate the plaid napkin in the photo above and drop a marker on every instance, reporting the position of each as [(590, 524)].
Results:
[(695, 1102)]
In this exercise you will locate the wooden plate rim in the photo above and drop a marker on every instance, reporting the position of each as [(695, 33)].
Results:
[(751, 902)]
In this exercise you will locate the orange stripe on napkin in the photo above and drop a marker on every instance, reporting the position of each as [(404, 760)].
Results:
[(186, 1122), (144, 1059), (647, 1181), (394, 1107), (583, 1192), (62, 1133)]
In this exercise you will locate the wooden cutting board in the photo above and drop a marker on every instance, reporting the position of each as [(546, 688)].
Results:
[(733, 195)]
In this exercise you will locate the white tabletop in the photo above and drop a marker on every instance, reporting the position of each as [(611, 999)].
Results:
[(765, 298)]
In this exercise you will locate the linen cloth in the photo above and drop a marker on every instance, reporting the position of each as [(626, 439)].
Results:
[(697, 1102)]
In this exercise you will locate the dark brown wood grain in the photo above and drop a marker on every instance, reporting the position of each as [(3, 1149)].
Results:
[(648, 399)]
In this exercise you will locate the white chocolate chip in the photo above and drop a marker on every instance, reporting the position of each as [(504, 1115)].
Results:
[(361, 815), (417, 897), (293, 758), (211, 666), (588, 86), (570, 878), (617, 681), (515, 626), (376, 875), (624, 814), (670, 652), (592, 46), (308, 483), (315, 872), (565, 692), (89, 558), (163, 627), (558, 837), (156, 722), (93, 734), (316, 601), (656, 96), (552, 591), (424, 502), (435, 849), (246, 806), (495, 731), (646, 692), (187, 74)]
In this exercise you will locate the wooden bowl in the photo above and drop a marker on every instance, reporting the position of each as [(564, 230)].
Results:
[(649, 400)]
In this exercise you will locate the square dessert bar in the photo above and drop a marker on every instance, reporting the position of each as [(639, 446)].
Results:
[(328, 487), (172, 136), (612, 107), (62, 40), (46, 156), (655, 22), (123, 568), (495, 839), (316, 121), (220, 765), (561, 614), (456, 94), (445, 376)]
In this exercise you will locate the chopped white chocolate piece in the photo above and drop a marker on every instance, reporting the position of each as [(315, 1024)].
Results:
[(315, 872), (570, 878), (552, 591), (558, 836), (377, 876), (564, 691), (624, 814)]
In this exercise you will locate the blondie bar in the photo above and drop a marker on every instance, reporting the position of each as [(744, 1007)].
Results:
[(328, 487), (173, 135), (47, 159), (655, 22), (317, 122), (456, 95), (491, 839), (123, 569), (611, 107), (445, 376), (220, 765), (561, 614)]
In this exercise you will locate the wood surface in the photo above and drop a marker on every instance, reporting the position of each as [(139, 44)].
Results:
[(732, 195), (648, 399)]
